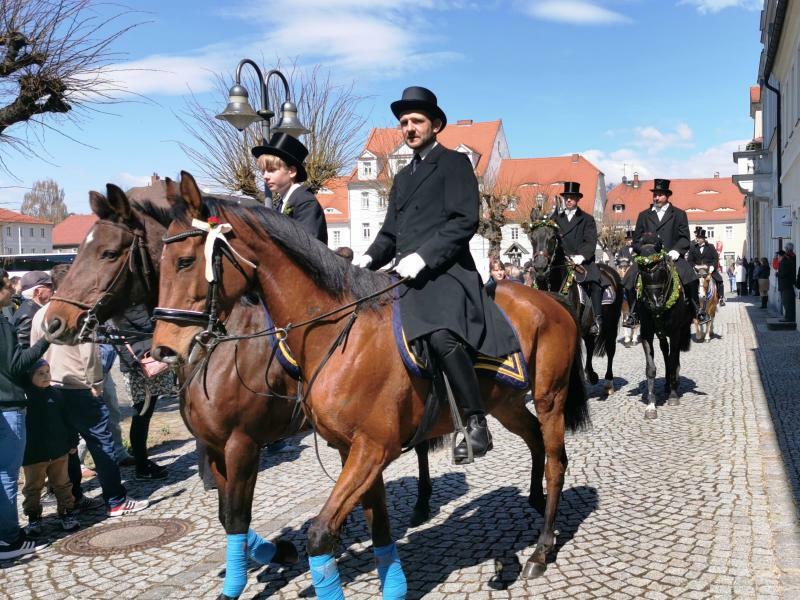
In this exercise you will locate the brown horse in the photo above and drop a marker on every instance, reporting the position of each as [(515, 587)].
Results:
[(237, 411), (709, 300), (360, 397)]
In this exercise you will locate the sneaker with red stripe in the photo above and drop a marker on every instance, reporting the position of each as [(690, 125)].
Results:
[(129, 506)]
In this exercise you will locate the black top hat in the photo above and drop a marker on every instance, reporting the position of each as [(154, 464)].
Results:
[(421, 99), (701, 233), (572, 188), (661, 185), (289, 149), (629, 235)]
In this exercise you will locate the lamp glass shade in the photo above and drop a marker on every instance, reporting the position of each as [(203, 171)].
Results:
[(238, 112), (289, 122)]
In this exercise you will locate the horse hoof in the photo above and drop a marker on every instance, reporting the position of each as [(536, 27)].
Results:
[(419, 516), (651, 414), (533, 570), (285, 553), (593, 378), (673, 401)]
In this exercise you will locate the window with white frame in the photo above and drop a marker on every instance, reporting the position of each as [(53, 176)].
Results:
[(364, 200), (728, 232), (512, 204), (365, 231), (337, 238), (8, 230), (514, 232), (366, 168), (382, 200), (709, 233), (31, 232), (41, 232)]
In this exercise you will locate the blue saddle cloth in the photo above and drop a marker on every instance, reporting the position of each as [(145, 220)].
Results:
[(510, 370), (282, 352)]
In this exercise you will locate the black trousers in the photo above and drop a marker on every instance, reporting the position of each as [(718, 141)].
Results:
[(787, 300), (457, 365), (140, 426)]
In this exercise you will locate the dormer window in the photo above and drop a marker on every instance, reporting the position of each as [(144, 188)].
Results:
[(512, 204), (367, 169), (618, 208)]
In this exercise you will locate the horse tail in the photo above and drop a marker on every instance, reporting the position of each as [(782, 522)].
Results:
[(576, 406)]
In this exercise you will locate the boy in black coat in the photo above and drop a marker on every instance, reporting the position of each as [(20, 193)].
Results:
[(46, 452)]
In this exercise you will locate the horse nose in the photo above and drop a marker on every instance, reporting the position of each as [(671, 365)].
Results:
[(164, 354)]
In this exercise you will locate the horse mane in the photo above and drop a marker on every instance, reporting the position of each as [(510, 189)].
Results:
[(328, 270), (162, 214)]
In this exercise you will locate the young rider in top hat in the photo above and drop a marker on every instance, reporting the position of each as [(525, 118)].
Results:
[(431, 216), (626, 252), (671, 225), (579, 239), (281, 162), (705, 254)]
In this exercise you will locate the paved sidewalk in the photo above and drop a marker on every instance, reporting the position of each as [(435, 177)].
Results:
[(700, 503)]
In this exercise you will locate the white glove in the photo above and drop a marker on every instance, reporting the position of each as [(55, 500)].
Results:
[(711, 269), (578, 259), (363, 261), (410, 266), (673, 254)]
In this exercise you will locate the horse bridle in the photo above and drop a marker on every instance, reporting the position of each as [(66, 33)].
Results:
[(666, 288), (208, 318), (138, 248)]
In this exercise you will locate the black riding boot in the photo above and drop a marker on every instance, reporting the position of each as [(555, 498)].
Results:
[(693, 292), (764, 300), (460, 372), (596, 292), (721, 292), (633, 317)]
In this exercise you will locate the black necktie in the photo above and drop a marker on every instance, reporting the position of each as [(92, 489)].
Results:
[(415, 162)]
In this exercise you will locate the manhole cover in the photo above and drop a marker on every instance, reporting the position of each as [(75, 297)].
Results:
[(119, 538)]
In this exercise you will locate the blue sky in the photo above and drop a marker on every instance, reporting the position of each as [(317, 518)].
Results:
[(658, 86)]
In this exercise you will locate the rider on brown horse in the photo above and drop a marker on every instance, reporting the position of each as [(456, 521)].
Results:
[(579, 239), (705, 254), (431, 217)]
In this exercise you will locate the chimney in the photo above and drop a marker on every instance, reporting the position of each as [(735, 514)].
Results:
[(464, 122), (624, 180), (154, 179), (575, 157), (635, 180), (716, 174)]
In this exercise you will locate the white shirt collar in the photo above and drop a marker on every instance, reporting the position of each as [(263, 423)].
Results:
[(570, 212), (427, 149), (289, 192), (661, 210)]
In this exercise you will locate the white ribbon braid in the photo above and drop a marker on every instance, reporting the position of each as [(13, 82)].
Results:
[(216, 232)]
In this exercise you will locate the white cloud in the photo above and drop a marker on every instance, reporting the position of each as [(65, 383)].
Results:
[(368, 38), (654, 140), (576, 12), (689, 165), (128, 180), (715, 6)]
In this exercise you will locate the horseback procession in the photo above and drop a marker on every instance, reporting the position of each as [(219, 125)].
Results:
[(271, 333)]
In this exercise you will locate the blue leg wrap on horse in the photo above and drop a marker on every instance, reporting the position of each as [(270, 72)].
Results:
[(235, 565), (325, 577), (390, 572), (259, 549)]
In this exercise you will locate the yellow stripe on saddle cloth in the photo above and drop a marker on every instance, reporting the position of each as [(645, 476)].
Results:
[(510, 370)]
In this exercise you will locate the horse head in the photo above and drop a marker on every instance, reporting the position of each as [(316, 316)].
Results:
[(546, 250), (114, 269), (203, 270)]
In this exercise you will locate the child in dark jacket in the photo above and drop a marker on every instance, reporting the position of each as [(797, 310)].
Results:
[(46, 452)]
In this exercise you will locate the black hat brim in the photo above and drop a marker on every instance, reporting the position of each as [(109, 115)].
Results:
[(667, 192), (285, 157), (579, 195), (400, 107)]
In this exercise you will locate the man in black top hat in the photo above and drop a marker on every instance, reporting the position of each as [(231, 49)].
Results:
[(281, 162), (431, 217), (579, 240), (671, 225), (705, 254), (625, 254)]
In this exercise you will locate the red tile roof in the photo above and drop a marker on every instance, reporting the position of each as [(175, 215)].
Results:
[(10, 216), (72, 230), (334, 196), (712, 199), (479, 137), (526, 178)]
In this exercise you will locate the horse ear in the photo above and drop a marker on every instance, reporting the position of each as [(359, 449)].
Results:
[(119, 202), (100, 205), (191, 195)]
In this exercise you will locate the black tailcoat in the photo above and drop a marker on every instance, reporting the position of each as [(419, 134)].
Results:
[(434, 213), (303, 207), (579, 236), (673, 230), (707, 255)]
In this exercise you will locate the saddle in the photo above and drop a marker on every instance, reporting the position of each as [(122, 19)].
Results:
[(607, 284)]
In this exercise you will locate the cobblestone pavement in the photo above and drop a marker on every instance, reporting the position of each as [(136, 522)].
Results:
[(700, 503)]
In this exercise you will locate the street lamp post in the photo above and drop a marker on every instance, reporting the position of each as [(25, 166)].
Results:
[(241, 115)]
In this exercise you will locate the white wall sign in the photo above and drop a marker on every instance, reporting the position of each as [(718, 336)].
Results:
[(781, 222)]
